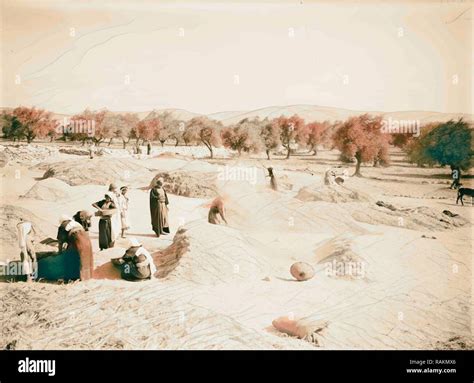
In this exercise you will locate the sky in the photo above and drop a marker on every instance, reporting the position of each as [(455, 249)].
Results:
[(207, 57)]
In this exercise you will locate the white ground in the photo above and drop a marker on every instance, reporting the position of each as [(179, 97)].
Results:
[(408, 291)]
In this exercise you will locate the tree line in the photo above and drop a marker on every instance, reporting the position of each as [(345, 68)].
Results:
[(360, 139)]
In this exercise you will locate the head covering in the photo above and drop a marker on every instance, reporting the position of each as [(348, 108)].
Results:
[(85, 214), (63, 218), (134, 242), (124, 188), (73, 225)]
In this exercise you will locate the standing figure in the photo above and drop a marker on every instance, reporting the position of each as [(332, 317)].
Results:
[(273, 182), (106, 209), (148, 148), (159, 209), (123, 204), (217, 210), (116, 220), (27, 249), (456, 176)]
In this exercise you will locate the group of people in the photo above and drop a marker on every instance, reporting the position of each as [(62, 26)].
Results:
[(113, 213), (74, 259)]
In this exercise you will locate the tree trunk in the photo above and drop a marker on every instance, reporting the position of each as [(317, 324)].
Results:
[(124, 143), (177, 142), (268, 153), (162, 143), (288, 151), (110, 141), (359, 162)]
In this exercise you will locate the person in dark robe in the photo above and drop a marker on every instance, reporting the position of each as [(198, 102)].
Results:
[(273, 183), (159, 209), (106, 208), (148, 148)]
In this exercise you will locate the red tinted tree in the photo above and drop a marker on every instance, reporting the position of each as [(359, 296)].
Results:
[(29, 123), (270, 136), (314, 135), (126, 127), (243, 136), (291, 131), (147, 130), (361, 138), (205, 131), (89, 125)]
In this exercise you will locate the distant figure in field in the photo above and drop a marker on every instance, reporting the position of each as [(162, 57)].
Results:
[(136, 264), (159, 209), (27, 249), (215, 211), (330, 177), (123, 204), (91, 150), (106, 208), (273, 183), (456, 176), (148, 148)]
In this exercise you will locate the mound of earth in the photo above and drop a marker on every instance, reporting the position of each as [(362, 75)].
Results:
[(10, 216), (339, 259), (188, 184), (27, 154), (206, 253), (50, 189), (418, 218), (97, 171), (330, 193)]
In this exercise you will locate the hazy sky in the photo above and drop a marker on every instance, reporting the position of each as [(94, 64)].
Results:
[(209, 57)]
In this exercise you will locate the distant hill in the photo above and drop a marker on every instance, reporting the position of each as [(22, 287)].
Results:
[(321, 113), (307, 112)]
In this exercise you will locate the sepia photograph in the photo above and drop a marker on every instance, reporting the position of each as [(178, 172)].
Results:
[(237, 175)]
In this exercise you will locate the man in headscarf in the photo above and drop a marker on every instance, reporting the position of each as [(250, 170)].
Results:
[(27, 249), (137, 263), (159, 209)]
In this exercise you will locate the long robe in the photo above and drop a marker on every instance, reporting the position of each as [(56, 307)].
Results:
[(124, 201), (66, 265), (106, 234), (159, 211), (115, 219)]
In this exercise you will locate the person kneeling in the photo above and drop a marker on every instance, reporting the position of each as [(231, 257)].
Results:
[(136, 264)]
